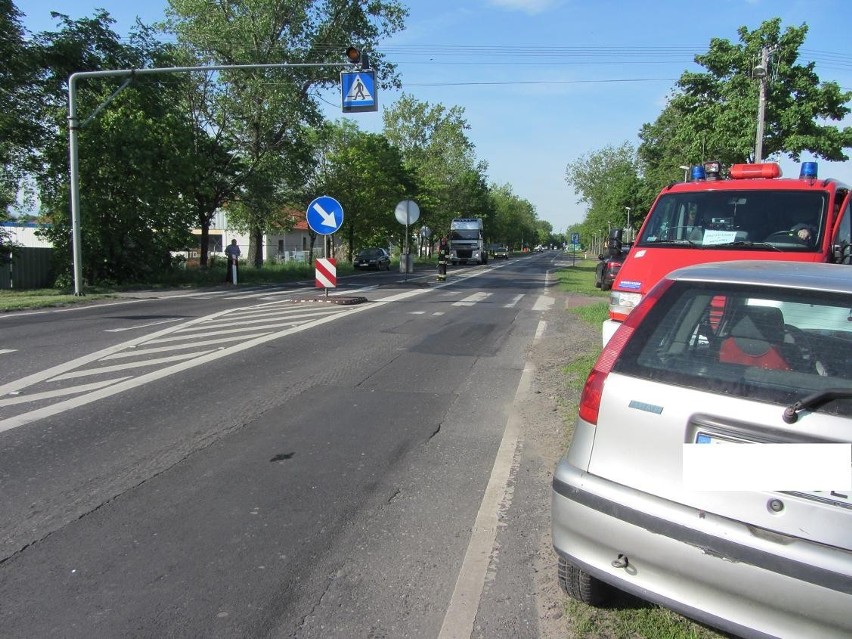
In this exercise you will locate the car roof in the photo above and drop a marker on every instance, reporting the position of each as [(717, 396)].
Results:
[(797, 275)]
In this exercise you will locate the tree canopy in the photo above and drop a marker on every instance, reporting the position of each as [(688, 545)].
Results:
[(435, 146), (268, 110), (712, 115)]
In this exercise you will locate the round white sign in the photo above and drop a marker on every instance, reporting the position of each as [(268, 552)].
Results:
[(407, 212)]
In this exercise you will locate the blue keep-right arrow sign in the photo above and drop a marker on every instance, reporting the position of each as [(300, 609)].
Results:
[(324, 215)]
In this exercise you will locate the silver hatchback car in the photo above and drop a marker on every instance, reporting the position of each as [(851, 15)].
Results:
[(737, 354)]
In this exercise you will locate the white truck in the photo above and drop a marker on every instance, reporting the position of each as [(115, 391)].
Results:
[(466, 243)]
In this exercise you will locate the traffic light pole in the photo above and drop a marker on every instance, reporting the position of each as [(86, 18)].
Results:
[(74, 126)]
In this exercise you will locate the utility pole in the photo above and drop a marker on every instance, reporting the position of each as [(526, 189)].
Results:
[(760, 72)]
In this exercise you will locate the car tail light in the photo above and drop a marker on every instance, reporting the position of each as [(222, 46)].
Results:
[(590, 400), (622, 303)]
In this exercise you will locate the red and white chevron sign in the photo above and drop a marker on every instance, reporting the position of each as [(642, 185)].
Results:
[(326, 273)]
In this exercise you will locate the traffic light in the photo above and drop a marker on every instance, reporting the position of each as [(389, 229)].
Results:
[(355, 56)]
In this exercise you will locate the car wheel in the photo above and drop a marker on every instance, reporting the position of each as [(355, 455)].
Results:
[(580, 585), (605, 286)]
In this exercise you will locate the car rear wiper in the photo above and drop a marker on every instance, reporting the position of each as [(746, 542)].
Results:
[(814, 400)]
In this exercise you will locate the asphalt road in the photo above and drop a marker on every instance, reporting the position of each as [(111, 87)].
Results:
[(240, 463)]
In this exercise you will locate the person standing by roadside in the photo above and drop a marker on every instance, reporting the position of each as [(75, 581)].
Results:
[(232, 253), (443, 253)]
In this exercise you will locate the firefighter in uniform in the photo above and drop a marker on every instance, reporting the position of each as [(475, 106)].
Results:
[(443, 253)]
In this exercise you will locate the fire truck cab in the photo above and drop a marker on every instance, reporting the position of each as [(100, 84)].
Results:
[(752, 213)]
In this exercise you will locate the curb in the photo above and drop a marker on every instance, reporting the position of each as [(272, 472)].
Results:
[(342, 301)]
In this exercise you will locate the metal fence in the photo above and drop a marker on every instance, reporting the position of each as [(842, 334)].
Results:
[(27, 268)]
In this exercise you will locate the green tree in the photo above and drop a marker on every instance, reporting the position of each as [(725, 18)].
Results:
[(19, 100), (133, 167), (367, 176), (609, 181), (435, 147), (268, 111), (544, 232), (514, 219), (712, 115)]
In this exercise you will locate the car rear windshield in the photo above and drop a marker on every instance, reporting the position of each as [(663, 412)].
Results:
[(767, 344)]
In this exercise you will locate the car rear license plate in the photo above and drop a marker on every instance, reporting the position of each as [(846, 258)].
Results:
[(841, 498)]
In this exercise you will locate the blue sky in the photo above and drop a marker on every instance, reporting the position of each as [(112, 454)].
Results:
[(545, 82)]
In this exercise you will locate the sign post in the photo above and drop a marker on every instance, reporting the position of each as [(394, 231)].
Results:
[(575, 241), (407, 212), (324, 217)]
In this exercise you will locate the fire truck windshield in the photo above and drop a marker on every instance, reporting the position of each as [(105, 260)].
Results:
[(782, 219)]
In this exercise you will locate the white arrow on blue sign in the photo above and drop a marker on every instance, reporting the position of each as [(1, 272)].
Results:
[(325, 215)]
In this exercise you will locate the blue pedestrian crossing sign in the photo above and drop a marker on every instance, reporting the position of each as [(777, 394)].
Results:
[(324, 215), (358, 89)]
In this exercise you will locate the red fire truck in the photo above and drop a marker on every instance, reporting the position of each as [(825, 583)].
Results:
[(753, 213)]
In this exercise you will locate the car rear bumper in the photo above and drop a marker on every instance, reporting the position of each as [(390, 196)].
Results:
[(710, 568)]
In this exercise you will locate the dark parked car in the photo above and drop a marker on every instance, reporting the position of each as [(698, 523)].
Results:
[(701, 472), (499, 251), (377, 258), (608, 267)]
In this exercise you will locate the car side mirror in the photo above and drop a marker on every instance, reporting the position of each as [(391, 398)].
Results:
[(601, 256)]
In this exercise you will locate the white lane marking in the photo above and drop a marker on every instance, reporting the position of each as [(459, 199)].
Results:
[(183, 337), (127, 384), (543, 303), (29, 380), (461, 613), (539, 331), (117, 368), (470, 300), (133, 328), (3, 351), (402, 296), (514, 301), (144, 352), (60, 407), (35, 397)]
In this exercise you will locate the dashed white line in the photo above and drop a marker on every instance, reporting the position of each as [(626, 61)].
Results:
[(514, 301), (470, 300)]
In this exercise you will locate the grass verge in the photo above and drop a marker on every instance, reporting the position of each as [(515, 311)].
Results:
[(11, 300)]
